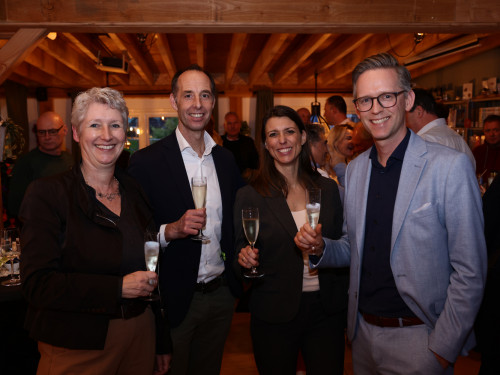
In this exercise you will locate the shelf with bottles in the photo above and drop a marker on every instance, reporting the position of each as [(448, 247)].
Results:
[(483, 106), (458, 116)]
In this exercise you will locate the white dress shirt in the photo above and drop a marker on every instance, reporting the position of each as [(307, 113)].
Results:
[(211, 263), (439, 132)]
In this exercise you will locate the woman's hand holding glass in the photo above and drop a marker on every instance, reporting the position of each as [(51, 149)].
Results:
[(137, 284), (310, 240)]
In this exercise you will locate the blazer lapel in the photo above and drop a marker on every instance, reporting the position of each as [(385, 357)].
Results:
[(413, 165), (361, 182), (280, 210), (178, 174)]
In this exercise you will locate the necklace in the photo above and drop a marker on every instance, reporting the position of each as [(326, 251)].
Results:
[(110, 196)]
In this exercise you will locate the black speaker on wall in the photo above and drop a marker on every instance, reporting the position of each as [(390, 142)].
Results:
[(41, 94)]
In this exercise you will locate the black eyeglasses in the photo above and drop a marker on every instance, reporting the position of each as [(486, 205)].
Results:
[(386, 100), (49, 131)]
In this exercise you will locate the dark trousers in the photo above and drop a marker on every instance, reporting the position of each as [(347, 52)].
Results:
[(319, 336)]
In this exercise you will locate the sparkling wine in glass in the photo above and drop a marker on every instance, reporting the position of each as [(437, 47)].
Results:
[(250, 219), (199, 190), (151, 252), (313, 206), (10, 250)]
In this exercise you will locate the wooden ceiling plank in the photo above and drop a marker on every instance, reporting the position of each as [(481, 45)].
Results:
[(166, 54), (485, 44), (53, 67), (17, 48), (127, 44), (200, 49), (335, 54), (73, 60), (238, 41), (85, 44), (372, 46), (267, 55), (300, 55), (34, 74)]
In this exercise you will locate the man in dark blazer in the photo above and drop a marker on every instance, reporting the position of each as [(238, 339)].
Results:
[(196, 282)]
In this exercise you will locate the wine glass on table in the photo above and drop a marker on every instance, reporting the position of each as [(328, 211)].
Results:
[(10, 250), (199, 190), (313, 207), (250, 219), (151, 252)]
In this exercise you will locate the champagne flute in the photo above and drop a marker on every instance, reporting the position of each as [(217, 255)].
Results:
[(11, 249), (250, 219), (199, 190), (151, 251), (313, 206)]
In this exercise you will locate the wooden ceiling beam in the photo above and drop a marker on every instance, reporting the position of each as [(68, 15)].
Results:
[(83, 42), (346, 65), (72, 59), (127, 44), (53, 67), (485, 44), (277, 16), (196, 47), (166, 54), (309, 46), (17, 48), (335, 53), (35, 74), (238, 42), (269, 52)]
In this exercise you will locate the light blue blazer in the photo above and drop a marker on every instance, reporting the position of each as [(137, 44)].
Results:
[(438, 252)]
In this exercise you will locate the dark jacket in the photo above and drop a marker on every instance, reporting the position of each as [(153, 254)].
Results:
[(71, 259), (160, 170), (276, 296)]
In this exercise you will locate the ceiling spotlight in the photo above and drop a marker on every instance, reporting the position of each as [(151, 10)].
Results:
[(418, 37), (52, 36)]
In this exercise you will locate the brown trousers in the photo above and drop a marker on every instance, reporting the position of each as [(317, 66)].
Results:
[(129, 350)]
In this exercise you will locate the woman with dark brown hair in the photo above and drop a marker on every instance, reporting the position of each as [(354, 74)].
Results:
[(293, 307)]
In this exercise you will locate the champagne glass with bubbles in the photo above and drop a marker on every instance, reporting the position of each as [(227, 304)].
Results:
[(10, 250), (313, 206), (199, 190), (151, 252), (250, 219)]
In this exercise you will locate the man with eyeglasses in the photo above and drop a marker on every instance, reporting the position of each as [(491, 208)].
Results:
[(413, 236), (45, 160)]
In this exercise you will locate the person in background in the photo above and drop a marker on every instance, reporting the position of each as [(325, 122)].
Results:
[(487, 322), (487, 155), (305, 115), (196, 279), (47, 159), (340, 150), (210, 129), (82, 263), (291, 306), (242, 147), (423, 120), (336, 111), (413, 236), (317, 140), (362, 140)]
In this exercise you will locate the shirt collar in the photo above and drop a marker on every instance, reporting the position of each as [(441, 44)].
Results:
[(184, 144), (398, 153)]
